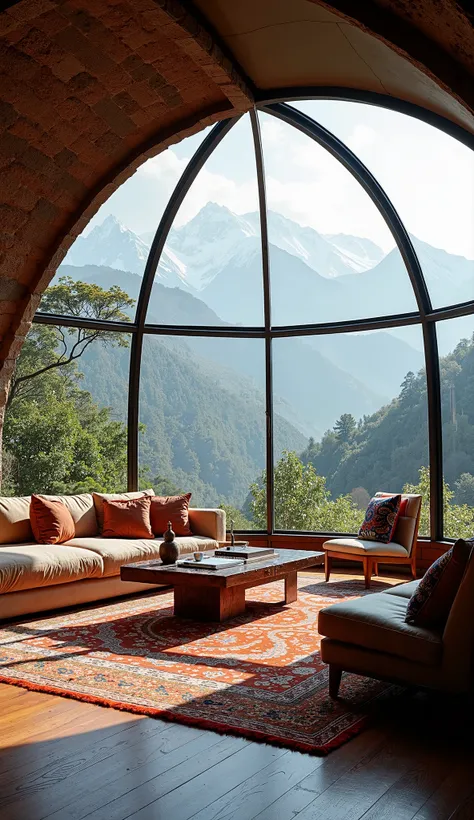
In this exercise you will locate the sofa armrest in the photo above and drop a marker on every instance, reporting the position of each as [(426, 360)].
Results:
[(207, 522)]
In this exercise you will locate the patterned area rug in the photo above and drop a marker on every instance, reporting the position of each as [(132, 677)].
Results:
[(259, 675)]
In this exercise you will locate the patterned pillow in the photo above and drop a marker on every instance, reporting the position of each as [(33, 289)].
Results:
[(431, 603), (380, 519)]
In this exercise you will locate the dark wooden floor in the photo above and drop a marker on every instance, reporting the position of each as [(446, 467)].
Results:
[(65, 760)]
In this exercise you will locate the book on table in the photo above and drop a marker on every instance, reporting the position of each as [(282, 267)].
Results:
[(245, 552), (209, 562)]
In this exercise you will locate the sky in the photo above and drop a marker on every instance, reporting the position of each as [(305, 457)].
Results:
[(428, 175)]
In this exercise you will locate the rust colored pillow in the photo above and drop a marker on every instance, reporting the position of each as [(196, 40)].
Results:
[(127, 519), (172, 508), (51, 521)]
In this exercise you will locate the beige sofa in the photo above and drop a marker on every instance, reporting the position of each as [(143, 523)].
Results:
[(37, 577), (369, 636)]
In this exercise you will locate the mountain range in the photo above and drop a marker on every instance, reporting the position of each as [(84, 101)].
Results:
[(202, 398), (216, 256)]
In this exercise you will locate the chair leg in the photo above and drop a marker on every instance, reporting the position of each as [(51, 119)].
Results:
[(327, 565), (367, 562), (413, 568), (375, 568), (335, 674)]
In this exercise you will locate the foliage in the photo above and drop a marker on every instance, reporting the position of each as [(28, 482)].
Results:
[(388, 449), (302, 501), (237, 516), (458, 518), (55, 438), (345, 427), (50, 347), (464, 489)]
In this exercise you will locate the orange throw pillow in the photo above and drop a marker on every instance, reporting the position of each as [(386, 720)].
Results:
[(172, 508), (51, 521), (127, 519)]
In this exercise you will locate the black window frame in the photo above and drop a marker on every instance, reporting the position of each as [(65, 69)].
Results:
[(278, 104)]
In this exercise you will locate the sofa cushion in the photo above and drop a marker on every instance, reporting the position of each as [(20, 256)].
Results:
[(27, 566), (377, 622), (404, 590), (82, 510), (117, 551), (51, 521), (172, 508), (380, 519), (15, 527), (359, 546), (127, 519), (99, 502), (433, 598)]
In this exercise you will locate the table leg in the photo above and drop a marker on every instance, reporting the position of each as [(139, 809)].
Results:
[(208, 603), (291, 587)]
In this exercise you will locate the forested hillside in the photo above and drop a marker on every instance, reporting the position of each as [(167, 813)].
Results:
[(387, 449), (197, 432)]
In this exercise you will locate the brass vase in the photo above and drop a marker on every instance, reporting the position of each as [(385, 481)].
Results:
[(169, 550)]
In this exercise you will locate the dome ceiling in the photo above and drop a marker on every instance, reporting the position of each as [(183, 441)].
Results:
[(301, 43)]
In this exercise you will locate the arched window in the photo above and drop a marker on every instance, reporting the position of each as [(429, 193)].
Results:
[(275, 314)]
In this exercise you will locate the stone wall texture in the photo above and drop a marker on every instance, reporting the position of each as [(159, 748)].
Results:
[(89, 89)]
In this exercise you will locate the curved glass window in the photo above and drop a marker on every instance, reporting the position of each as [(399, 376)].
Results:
[(282, 362), (428, 175), (210, 272), (113, 249), (332, 256)]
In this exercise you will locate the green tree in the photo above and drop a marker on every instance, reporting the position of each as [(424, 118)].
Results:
[(237, 516), (48, 347), (458, 518), (345, 427), (302, 501), (55, 438), (464, 489)]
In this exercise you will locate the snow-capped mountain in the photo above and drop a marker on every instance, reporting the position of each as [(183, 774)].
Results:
[(207, 243), (362, 254), (217, 256), (196, 252), (112, 245)]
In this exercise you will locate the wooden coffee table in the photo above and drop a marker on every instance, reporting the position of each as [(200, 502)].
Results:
[(216, 595)]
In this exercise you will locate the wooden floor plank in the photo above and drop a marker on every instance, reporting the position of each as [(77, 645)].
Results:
[(412, 790), (199, 791), (359, 751), (73, 766), (94, 785), (125, 796), (356, 791), (254, 794), (451, 793)]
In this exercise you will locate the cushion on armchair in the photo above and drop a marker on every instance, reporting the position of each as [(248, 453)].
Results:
[(433, 598), (381, 519)]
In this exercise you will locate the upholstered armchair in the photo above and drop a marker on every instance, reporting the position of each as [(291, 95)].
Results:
[(401, 550), (369, 636)]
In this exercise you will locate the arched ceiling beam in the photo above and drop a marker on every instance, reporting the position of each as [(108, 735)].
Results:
[(432, 37)]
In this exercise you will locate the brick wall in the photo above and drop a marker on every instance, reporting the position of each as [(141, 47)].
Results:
[(89, 89)]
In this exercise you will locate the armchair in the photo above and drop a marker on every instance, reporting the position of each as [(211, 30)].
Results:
[(402, 550)]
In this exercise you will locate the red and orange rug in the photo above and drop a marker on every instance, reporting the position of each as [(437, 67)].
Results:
[(259, 675)]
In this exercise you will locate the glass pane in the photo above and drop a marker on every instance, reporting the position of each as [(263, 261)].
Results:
[(114, 246), (65, 428), (428, 175), (456, 343), (211, 269), (202, 407), (363, 413), (332, 257)]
